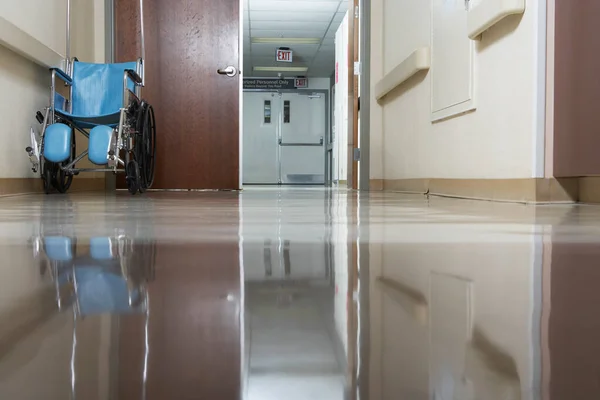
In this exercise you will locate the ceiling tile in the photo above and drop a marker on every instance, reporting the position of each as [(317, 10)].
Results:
[(304, 50), (288, 33), (288, 6), (270, 62), (290, 16), (328, 42), (339, 17), (327, 49), (283, 25)]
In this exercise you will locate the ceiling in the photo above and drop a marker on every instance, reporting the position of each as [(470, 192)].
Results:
[(313, 19)]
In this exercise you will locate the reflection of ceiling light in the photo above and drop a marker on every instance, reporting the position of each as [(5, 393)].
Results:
[(281, 69), (279, 40)]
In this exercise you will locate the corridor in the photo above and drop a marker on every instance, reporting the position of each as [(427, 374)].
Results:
[(297, 293)]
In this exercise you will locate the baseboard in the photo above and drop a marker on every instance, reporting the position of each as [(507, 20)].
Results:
[(589, 189), (376, 184), (17, 186), (88, 185), (534, 190)]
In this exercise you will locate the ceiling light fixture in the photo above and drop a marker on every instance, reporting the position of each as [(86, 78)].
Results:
[(289, 41), (280, 69)]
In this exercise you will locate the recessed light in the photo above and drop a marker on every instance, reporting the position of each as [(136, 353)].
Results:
[(279, 40), (281, 69)]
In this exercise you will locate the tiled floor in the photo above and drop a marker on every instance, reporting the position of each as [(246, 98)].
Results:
[(297, 294)]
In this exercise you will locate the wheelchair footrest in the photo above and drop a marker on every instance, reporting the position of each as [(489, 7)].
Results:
[(99, 144), (57, 142)]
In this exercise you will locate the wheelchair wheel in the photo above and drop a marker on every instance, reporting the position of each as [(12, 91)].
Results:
[(63, 180), (133, 176), (46, 172), (145, 148)]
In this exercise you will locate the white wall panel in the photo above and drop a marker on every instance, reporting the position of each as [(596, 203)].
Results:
[(453, 57), (340, 142)]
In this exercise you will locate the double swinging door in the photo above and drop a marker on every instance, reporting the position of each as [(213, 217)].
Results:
[(285, 138)]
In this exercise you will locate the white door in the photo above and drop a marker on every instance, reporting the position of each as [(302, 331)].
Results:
[(261, 119), (302, 138)]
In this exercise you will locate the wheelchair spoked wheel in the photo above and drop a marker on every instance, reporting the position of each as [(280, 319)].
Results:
[(145, 148), (133, 177)]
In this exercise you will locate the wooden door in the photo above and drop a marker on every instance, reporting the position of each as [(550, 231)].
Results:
[(197, 110)]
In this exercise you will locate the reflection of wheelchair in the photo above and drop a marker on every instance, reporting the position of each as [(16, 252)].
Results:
[(111, 279), (106, 100)]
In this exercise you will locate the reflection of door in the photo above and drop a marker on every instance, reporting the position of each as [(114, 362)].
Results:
[(450, 330), (302, 137), (193, 329), (196, 108)]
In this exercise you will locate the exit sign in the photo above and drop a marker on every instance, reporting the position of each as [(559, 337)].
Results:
[(284, 55), (300, 83)]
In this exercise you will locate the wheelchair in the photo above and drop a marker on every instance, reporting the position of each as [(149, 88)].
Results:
[(103, 103)]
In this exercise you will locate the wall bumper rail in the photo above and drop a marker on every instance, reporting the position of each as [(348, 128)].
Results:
[(489, 12), (419, 60), (27, 46)]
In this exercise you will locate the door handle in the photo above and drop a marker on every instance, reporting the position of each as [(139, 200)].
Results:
[(229, 71)]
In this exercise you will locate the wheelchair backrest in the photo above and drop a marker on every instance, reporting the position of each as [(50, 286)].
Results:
[(98, 88)]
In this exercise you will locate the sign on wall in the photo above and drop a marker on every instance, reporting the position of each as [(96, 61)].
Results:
[(301, 83), (284, 55), (275, 83)]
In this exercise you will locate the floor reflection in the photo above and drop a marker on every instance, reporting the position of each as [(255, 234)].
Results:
[(297, 294)]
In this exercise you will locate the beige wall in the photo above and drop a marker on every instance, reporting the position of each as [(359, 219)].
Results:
[(24, 86), (44, 20), (501, 139)]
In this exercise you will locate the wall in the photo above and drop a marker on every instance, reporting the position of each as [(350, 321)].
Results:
[(340, 147), (498, 140), (43, 20), (24, 86)]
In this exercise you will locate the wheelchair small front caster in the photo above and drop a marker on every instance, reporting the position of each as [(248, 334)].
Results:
[(133, 177), (47, 177)]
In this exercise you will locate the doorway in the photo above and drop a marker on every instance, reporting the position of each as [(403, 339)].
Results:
[(285, 139), (289, 69)]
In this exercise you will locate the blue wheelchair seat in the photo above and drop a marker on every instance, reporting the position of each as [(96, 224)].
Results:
[(100, 291), (97, 94)]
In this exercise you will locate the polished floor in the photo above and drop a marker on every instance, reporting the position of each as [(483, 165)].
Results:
[(297, 294)]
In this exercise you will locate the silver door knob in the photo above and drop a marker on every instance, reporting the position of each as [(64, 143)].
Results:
[(229, 71)]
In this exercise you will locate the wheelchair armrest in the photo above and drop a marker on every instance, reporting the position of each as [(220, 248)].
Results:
[(62, 75), (134, 76)]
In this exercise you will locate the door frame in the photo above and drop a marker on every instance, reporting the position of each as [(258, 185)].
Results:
[(364, 24), (364, 83), (327, 181)]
